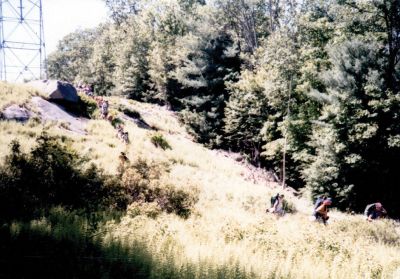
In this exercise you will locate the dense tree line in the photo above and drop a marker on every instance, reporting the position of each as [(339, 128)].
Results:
[(314, 82)]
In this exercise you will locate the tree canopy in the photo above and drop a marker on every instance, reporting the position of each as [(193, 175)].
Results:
[(313, 82)]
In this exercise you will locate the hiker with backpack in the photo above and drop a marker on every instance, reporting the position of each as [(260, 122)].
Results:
[(104, 109), (277, 206), (318, 203), (125, 137), (321, 213), (374, 211), (272, 200)]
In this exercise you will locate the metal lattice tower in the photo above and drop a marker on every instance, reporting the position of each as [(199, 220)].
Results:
[(22, 47)]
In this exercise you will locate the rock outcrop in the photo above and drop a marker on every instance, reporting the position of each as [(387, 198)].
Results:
[(52, 112), (15, 112), (56, 90)]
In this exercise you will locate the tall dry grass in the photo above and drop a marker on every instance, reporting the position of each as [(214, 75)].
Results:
[(228, 234)]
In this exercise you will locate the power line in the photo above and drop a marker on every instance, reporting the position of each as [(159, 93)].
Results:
[(22, 44)]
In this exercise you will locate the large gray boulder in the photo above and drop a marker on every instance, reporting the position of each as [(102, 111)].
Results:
[(52, 112), (56, 90), (15, 112)]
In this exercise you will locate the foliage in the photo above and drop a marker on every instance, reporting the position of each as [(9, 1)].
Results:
[(199, 81), (227, 235), (143, 184), (159, 141), (313, 83), (90, 105), (69, 63), (61, 246), (52, 175)]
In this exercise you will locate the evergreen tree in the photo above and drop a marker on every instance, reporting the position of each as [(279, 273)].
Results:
[(198, 84), (313, 83), (355, 120)]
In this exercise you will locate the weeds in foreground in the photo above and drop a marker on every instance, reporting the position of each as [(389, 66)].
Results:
[(61, 246), (50, 175), (159, 141)]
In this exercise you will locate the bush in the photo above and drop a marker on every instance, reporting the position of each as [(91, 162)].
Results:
[(289, 207), (142, 184), (132, 113), (115, 122), (159, 141), (89, 105), (53, 175), (178, 201), (150, 209)]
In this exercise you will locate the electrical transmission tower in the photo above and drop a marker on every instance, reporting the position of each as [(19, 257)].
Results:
[(22, 47)]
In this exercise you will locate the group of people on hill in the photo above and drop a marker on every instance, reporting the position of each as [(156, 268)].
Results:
[(85, 88), (104, 105), (321, 208)]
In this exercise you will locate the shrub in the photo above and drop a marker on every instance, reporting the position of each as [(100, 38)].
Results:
[(289, 207), (159, 141), (116, 122), (150, 209), (53, 175), (178, 201), (132, 113), (142, 184), (89, 106)]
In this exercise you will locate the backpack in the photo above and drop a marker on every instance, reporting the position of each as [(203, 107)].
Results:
[(273, 199), (369, 209), (318, 203)]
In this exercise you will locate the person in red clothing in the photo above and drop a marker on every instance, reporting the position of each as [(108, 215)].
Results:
[(321, 213)]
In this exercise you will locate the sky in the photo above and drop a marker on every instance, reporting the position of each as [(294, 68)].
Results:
[(61, 17)]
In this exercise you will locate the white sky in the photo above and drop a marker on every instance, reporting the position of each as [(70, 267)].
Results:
[(61, 17)]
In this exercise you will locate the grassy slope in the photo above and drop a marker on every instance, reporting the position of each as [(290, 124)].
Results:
[(228, 227)]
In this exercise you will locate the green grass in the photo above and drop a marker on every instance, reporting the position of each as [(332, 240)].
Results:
[(16, 94), (159, 141)]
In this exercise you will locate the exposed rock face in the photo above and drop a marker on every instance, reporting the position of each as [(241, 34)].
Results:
[(52, 112), (15, 112), (56, 90)]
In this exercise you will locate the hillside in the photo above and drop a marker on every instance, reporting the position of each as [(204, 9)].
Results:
[(227, 234)]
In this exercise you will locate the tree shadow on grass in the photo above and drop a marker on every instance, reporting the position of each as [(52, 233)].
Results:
[(65, 246), (66, 249)]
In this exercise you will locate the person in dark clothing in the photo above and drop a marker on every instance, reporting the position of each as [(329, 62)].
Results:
[(318, 202), (274, 199), (374, 211)]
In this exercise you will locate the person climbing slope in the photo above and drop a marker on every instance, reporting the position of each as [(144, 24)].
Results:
[(318, 203), (374, 211), (277, 207), (321, 213), (104, 109)]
